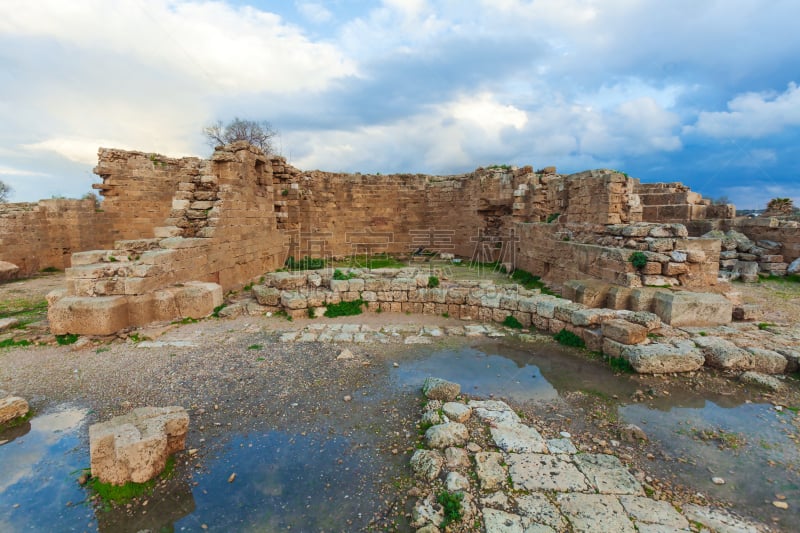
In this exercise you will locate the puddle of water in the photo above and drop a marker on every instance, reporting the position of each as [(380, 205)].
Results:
[(509, 371), (36, 469), (759, 459)]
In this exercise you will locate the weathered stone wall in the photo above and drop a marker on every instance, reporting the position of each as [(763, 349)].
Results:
[(549, 251), (39, 235), (138, 189), (785, 232), (221, 229), (675, 202)]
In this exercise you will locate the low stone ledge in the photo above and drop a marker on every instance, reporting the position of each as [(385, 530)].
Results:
[(12, 407)]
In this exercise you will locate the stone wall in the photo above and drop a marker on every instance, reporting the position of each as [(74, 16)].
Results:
[(675, 202), (559, 253), (220, 233), (41, 235), (785, 232)]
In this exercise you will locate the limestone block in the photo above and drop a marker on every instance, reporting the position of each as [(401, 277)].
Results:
[(293, 300), (546, 308), (591, 317), (286, 280), (746, 271), (659, 358), (696, 256), (12, 407), (177, 243), (675, 269), (612, 348), (693, 309), (8, 270), (86, 315), (721, 353), (659, 281), (267, 295), (624, 332), (564, 310), (197, 299), (135, 447), (593, 338), (767, 361), (651, 268), (618, 298)]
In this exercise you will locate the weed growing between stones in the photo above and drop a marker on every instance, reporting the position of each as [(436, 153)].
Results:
[(283, 314), (341, 276), (66, 339), (49, 270), (552, 217), (567, 338), (254, 347), (11, 343), (451, 502), (186, 320), (765, 325), (344, 309), (638, 260), (220, 307), (433, 282), (306, 263), (16, 422), (530, 281), (109, 493), (512, 322), (620, 364)]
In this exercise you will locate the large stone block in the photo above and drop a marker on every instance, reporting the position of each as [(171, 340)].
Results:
[(693, 309), (135, 447), (86, 315), (721, 353), (624, 332), (8, 270), (658, 358), (197, 299), (12, 407)]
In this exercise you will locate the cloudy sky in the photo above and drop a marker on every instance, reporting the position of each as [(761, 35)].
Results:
[(699, 91)]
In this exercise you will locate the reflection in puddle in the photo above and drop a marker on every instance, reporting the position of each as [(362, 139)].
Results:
[(285, 481), (35, 480), (512, 372), (750, 446)]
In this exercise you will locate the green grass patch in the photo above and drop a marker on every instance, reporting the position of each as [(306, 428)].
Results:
[(764, 325), (638, 260), (530, 281), (306, 263), (217, 309), (552, 217), (341, 276), (102, 349), (567, 338), (49, 270), (620, 364), (499, 167), (11, 343), (186, 320), (129, 491), (433, 282), (512, 322), (67, 339), (451, 503), (254, 347), (283, 314), (344, 309), (23, 309), (136, 338)]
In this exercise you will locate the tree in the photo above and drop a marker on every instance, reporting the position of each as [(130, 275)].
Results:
[(780, 206), (257, 133), (5, 192)]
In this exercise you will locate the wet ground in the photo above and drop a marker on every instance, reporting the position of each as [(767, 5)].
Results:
[(329, 450)]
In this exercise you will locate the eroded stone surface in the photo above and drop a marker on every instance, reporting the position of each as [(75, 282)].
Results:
[(12, 407), (538, 472), (589, 513), (446, 435), (518, 438), (440, 389), (606, 474), (135, 447)]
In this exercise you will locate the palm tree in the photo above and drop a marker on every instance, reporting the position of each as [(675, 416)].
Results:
[(780, 206)]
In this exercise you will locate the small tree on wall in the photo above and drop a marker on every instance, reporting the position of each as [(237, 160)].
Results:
[(5, 192), (780, 206), (257, 133)]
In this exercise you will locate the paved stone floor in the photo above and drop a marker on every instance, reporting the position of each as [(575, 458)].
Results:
[(510, 479)]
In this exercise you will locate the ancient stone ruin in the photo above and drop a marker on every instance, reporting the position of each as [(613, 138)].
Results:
[(173, 235)]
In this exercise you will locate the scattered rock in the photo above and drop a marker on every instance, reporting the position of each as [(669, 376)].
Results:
[(717, 481), (440, 389), (345, 355), (761, 380), (457, 412), (445, 435), (632, 433), (427, 464)]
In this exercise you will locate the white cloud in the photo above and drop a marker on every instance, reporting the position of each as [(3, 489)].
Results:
[(74, 149), (314, 12), (752, 115), (216, 44), (9, 171)]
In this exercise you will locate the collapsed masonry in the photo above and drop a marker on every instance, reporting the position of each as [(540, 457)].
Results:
[(174, 234)]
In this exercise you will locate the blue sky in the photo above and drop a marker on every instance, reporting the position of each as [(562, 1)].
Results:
[(702, 92)]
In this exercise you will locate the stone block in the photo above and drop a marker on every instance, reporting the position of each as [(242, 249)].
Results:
[(721, 353), (564, 310), (592, 317), (746, 312), (612, 348), (8, 271), (135, 447), (593, 339), (660, 358), (86, 315), (624, 332), (294, 300), (267, 295), (197, 299), (618, 298), (693, 309), (12, 407), (767, 361)]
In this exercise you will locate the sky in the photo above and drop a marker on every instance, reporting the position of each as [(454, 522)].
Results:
[(701, 92)]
